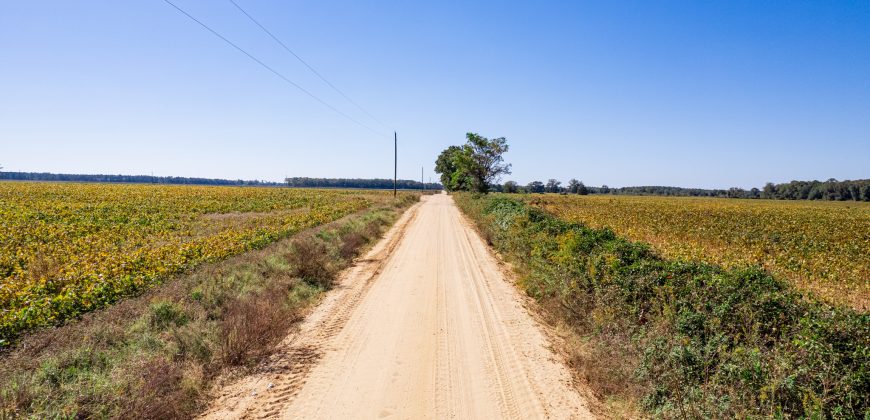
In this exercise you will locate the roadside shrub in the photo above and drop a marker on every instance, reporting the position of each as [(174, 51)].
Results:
[(351, 242), (373, 228), (251, 325), (158, 393), (703, 341), (312, 261)]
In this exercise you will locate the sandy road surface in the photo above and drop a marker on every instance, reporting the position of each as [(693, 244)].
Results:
[(425, 326)]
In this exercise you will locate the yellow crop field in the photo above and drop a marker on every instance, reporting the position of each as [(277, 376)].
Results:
[(823, 247), (66, 249)]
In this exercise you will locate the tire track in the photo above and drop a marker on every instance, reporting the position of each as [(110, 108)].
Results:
[(279, 380), (426, 327)]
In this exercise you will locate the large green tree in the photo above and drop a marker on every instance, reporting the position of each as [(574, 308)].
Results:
[(475, 165), (447, 165)]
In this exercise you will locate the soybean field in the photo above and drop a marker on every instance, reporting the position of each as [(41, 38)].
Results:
[(823, 247), (68, 248)]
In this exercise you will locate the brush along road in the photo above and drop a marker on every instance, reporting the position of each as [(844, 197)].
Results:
[(425, 326)]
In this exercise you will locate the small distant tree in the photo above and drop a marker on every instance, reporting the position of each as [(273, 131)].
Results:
[(605, 189), (581, 189), (553, 186), (735, 192), (510, 187), (573, 186), (535, 187), (769, 191)]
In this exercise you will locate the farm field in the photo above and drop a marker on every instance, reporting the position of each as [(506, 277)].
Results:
[(66, 249), (823, 247)]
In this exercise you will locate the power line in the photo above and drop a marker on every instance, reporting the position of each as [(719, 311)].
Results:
[(305, 63), (284, 78)]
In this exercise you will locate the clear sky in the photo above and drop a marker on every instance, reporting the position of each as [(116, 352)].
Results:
[(689, 93)]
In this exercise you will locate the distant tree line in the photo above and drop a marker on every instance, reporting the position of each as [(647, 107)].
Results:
[(148, 179), (857, 190), (137, 179), (833, 190), (372, 184)]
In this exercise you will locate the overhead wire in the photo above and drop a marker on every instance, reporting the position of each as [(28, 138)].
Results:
[(313, 70), (275, 72)]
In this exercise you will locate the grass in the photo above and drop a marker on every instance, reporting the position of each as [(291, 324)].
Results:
[(155, 356), (682, 339), (822, 247)]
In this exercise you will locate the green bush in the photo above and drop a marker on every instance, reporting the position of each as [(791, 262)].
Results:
[(165, 314), (708, 342)]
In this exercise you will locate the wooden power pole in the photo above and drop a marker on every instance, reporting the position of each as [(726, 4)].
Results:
[(422, 185), (395, 160)]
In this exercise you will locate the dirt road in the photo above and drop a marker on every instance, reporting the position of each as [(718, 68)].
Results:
[(426, 326)]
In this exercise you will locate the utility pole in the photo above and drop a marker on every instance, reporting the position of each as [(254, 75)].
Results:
[(422, 185), (395, 160)]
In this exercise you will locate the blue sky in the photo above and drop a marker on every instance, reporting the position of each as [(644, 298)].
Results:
[(690, 93)]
